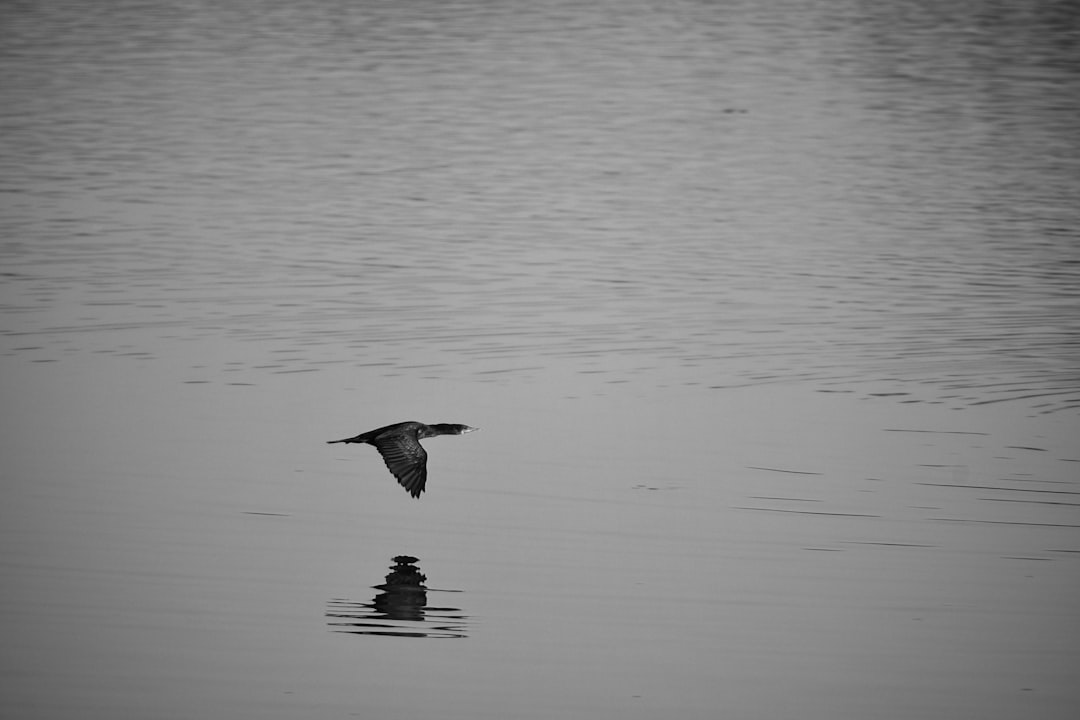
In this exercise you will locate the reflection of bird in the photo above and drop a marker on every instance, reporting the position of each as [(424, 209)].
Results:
[(399, 445)]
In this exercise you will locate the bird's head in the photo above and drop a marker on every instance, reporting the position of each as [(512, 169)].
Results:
[(453, 429)]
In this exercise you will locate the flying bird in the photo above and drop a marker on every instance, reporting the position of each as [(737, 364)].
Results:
[(399, 445)]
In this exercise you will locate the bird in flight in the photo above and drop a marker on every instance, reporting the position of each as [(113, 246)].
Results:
[(399, 445)]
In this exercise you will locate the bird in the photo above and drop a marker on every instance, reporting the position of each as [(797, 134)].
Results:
[(399, 445)]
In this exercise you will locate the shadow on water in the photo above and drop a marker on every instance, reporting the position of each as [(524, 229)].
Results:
[(399, 610)]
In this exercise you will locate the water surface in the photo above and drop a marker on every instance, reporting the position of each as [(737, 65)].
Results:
[(769, 316)]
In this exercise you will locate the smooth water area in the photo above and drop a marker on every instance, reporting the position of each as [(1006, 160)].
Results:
[(769, 314)]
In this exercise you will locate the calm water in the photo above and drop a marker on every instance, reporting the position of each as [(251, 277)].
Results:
[(770, 314)]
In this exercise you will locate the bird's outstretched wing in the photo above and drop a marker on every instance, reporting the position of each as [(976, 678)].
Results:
[(406, 459)]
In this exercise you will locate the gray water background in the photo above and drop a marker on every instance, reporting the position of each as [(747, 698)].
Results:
[(694, 268)]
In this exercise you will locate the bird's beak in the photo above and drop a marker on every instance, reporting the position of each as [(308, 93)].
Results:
[(469, 430)]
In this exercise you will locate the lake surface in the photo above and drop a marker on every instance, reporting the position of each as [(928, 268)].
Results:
[(769, 314)]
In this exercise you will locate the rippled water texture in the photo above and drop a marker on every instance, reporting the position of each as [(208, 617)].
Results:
[(769, 313), (707, 195)]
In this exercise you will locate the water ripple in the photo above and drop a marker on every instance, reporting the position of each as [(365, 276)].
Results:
[(697, 216)]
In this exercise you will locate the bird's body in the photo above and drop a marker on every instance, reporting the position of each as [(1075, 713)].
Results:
[(399, 445)]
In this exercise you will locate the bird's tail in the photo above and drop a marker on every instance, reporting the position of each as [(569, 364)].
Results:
[(357, 439)]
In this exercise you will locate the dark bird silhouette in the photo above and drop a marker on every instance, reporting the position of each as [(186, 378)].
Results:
[(399, 445)]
